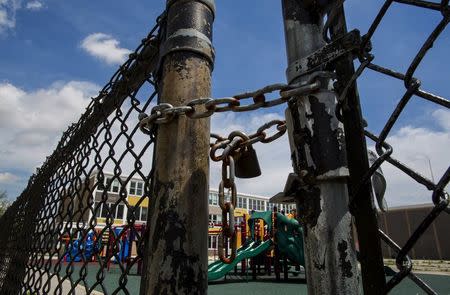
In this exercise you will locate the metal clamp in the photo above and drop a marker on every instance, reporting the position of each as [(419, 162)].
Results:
[(189, 40), (195, 39), (325, 55), (209, 3)]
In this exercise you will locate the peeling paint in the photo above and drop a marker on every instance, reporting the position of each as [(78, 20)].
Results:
[(319, 262), (325, 147), (311, 205), (179, 272), (345, 264)]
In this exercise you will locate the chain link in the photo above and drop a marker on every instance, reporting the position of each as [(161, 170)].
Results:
[(232, 146), (385, 151), (228, 228), (206, 107), (238, 140)]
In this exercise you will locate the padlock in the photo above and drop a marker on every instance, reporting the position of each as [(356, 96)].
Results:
[(246, 164)]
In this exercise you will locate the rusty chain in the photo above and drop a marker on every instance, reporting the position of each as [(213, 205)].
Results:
[(233, 146), (32, 229), (206, 107), (238, 140), (228, 230)]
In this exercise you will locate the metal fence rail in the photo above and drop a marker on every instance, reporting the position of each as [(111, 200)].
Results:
[(62, 227)]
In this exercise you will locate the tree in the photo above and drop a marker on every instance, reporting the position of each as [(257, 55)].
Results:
[(4, 203)]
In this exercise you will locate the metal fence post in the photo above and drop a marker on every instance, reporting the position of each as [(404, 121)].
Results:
[(319, 158), (176, 251), (370, 254)]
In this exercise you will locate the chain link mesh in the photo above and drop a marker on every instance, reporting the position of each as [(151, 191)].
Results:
[(68, 222), (64, 224), (385, 151)]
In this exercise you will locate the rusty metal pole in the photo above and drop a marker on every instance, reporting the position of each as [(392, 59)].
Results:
[(318, 152), (176, 252)]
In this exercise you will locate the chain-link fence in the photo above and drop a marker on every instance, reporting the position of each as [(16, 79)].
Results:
[(413, 88), (86, 207), (64, 224)]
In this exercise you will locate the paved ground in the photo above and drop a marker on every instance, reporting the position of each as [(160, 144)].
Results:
[(238, 285)]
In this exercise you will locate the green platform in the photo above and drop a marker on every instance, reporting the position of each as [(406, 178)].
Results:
[(289, 237)]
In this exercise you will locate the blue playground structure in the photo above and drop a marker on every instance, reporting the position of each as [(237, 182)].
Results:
[(78, 246)]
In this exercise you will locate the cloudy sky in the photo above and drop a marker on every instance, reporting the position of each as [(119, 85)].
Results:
[(55, 55)]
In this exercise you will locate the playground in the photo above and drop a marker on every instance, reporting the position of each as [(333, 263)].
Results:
[(269, 260), (264, 239), (325, 128)]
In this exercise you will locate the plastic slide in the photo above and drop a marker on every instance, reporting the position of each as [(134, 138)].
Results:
[(218, 269)]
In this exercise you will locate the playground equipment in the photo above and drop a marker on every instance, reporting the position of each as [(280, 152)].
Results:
[(121, 245), (283, 234), (79, 247), (116, 245)]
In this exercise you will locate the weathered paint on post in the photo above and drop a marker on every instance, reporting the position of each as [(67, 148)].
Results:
[(318, 153), (176, 252)]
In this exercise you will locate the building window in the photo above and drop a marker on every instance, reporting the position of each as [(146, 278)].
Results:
[(257, 205), (215, 219), (213, 199), (100, 185), (119, 211), (136, 188), (271, 206), (144, 214), (140, 213), (250, 204), (114, 186), (105, 210), (242, 202), (212, 242), (99, 209)]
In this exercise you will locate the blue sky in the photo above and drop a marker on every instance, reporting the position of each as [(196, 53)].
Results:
[(42, 55)]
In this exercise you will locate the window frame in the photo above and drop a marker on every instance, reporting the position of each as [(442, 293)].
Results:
[(213, 199), (137, 189)]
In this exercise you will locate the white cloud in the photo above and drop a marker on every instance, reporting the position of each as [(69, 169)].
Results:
[(412, 145), (8, 10), (6, 177), (31, 122), (423, 149), (34, 5), (443, 118), (105, 47)]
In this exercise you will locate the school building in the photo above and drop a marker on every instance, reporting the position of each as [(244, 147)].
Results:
[(110, 190)]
